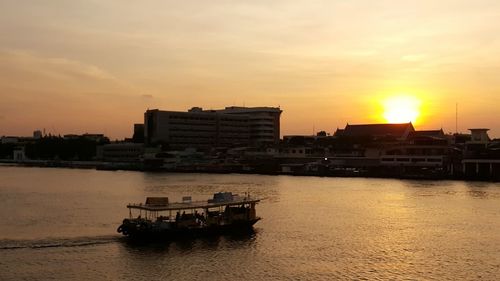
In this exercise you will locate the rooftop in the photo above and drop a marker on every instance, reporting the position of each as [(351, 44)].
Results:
[(427, 133), (229, 110), (396, 130)]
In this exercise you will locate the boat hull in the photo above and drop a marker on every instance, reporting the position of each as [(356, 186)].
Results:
[(132, 231)]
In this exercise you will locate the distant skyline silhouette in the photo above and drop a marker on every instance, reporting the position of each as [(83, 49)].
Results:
[(92, 66)]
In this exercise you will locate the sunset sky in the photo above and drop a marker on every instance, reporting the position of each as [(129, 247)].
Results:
[(96, 66)]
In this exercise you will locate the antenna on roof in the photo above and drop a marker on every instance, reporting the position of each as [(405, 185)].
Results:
[(456, 118)]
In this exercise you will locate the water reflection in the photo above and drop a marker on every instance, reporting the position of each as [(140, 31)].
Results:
[(481, 194), (202, 186), (452, 188), (479, 190), (235, 240), (188, 259)]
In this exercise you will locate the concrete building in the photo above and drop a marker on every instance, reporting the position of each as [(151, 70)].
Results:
[(264, 122), (120, 152), (205, 129), (479, 135), (481, 156), (138, 136)]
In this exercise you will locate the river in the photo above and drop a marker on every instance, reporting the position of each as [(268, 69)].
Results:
[(60, 224)]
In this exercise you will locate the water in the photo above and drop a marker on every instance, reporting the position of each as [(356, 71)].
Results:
[(60, 224)]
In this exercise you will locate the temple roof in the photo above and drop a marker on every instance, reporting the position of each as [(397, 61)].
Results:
[(378, 130), (427, 133)]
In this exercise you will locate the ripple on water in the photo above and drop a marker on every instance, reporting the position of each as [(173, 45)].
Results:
[(12, 244), (313, 229)]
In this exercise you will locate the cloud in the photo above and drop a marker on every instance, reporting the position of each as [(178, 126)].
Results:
[(29, 74), (51, 67), (147, 96)]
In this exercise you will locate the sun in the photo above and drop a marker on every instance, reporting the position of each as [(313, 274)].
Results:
[(401, 109)]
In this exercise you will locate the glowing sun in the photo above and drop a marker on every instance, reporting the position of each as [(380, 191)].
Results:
[(401, 109)]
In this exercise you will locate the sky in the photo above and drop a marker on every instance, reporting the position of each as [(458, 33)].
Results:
[(96, 66)]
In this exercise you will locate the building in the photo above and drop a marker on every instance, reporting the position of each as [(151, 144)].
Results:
[(120, 152), (205, 129), (389, 150), (422, 151), (138, 136), (377, 131), (37, 134), (19, 154), (9, 140), (264, 122), (369, 140), (95, 137), (92, 137), (481, 156)]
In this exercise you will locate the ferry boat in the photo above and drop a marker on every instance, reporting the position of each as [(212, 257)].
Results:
[(158, 218)]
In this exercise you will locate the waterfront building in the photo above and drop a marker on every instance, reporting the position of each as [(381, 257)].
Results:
[(379, 149), (368, 141), (120, 152), (377, 131), (206, 129), (263, 122), (321, 139), (138, 136), (478, 143), (481, 156), (175, 159), (423, 152), (9, 140), (19, 154)]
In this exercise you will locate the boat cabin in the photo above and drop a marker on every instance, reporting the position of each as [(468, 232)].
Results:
[(224, 208)]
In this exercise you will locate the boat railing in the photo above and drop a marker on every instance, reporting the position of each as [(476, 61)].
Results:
[(203, 204)]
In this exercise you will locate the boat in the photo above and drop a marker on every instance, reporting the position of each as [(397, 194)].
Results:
[(157, 218)]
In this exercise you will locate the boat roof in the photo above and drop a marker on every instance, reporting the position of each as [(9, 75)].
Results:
[(193, 205)]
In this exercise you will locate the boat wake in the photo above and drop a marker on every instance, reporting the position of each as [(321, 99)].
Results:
[(13, 244)]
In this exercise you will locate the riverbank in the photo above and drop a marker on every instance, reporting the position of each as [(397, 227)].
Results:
[(238, 169)]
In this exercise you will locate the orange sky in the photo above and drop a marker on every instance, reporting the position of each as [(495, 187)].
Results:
[(96, 66)]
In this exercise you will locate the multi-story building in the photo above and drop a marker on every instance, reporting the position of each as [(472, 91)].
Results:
[(481, 156), (263, 122), (120, 152), (138, 136), (422, 150), (204, 129)]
